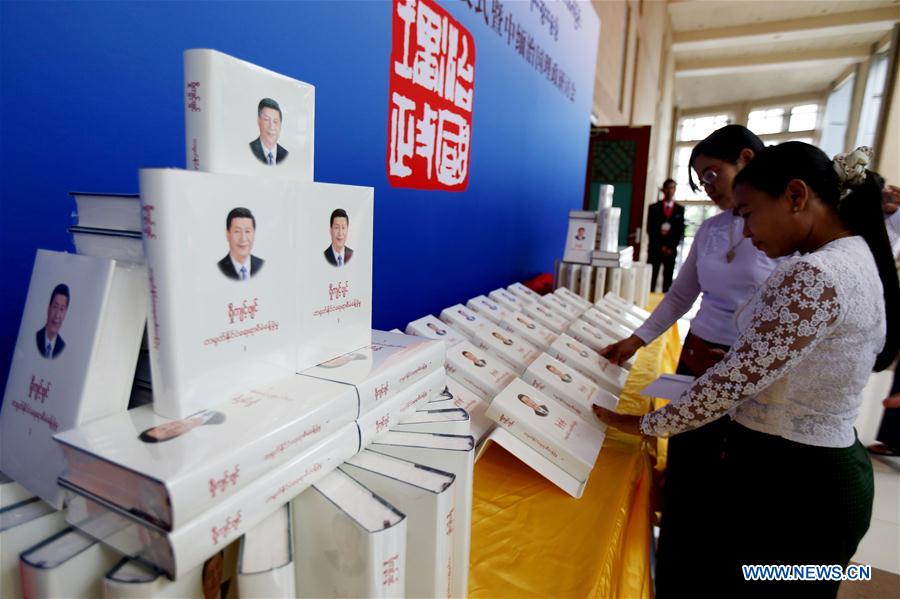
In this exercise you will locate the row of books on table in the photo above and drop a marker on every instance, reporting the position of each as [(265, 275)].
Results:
[(532, 366), (630, 283)]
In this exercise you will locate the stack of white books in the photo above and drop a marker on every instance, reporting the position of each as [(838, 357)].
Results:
[(532, 424), (173, 492), (581, 238), (108, 225)]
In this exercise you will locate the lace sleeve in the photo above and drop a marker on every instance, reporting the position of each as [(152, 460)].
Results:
[(796, 309)]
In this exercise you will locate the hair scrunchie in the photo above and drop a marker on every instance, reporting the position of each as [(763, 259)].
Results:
[(851, 168)]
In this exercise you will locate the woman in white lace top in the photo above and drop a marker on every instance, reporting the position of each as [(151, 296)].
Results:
[(797, 485)]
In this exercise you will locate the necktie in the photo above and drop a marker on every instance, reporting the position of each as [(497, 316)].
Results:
[(270, 158), (49, 350), (243, 273), (340, 260)]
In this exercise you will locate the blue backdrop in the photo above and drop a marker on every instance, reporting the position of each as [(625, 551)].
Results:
[(92, 91)]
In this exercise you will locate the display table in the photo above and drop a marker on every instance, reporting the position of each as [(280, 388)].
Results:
[(531, 539)]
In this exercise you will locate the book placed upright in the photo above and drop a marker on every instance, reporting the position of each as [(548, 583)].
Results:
[(266, 562), (349, 541), (243, 119), (548, 427), (74, 360), (588, 362), (569, 387), (241, 289)]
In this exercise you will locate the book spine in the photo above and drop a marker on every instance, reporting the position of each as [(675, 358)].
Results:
[(197, 118), (469, 382), (394, 380), (378, 421), (158, 227), (387, 551)]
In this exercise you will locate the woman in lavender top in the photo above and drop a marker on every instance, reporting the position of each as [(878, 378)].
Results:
[(726, 270)]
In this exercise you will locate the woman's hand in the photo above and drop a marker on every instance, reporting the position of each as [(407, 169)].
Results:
[(619, 353), (623, 422)]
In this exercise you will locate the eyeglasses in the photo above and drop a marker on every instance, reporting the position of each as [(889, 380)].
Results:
[(709, 176)]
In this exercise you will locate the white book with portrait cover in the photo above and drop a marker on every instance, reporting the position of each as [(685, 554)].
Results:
[(506, 299), (349, 541), (613, 280), (562, 306), (507, 346), (586, 282), (68, 564), (581, 238), (433, 328), (595, 338), (171, 471), (530, 330), (549, 317), (534, 460), (386, 365), (599, 282), (606, 323), (21, 526), (427, 497), (12, 492), (237, 113), (449, 453), (448, 421), (73, 362), (588, 362), (625, 318), (383, 416), (274, 304), (548, 427), (524, 293), (626, 290), (474, 405), (482, 373), (488, 308), (266, 561), (464, 320), (569, 387), (631, 307), (574, 298), (572, 277), (186, 547)]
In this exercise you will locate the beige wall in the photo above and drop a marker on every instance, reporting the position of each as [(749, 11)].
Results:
[(635, 76), (889, 158)]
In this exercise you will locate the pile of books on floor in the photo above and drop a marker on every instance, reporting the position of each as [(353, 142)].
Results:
[(593, 263), (181, 424), (527, 370)]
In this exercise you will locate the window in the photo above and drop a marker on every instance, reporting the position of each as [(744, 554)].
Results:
[(836, 117), (774, 124), (871, 107), (691, 130), (697, 128)]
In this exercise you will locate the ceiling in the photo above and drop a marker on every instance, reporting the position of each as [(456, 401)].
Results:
[(732, 51)]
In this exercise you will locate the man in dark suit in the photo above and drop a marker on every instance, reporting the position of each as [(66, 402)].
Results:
[(265, 147), (240, 231), (338, 254), (49, 343), (665, 227)]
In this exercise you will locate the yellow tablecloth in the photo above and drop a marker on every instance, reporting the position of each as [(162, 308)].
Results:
[(531, 539)]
